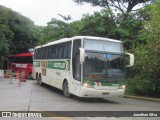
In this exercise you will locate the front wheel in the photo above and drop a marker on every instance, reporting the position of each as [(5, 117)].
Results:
[(66, 89)]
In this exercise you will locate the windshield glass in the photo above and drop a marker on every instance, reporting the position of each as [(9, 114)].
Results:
[(25, 59), (103, 67), (103, 45)]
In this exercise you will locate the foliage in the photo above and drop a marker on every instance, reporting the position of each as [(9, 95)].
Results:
[(128, 29), (56, 29), (25, 33), (17, 33), (98, 24), (122, 5), (146, 71), (3, 48), (153, 25)]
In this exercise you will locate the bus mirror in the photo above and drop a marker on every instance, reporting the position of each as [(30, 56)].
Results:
[(82, 55), (131, 59)]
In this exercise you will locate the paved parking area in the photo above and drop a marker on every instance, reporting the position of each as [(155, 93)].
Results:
[(28, 96)]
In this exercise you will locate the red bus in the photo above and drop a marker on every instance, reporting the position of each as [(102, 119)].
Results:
[(21, 62)]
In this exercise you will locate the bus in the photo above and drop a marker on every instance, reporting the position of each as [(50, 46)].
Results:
[(21, 62), (84, 66)]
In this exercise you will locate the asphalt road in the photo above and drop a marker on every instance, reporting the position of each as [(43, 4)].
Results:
[(31, 97)]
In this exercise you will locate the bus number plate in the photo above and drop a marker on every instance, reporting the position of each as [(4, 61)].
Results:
[(105, 93)]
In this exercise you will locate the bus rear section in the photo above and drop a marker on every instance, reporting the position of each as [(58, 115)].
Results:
[(21, 62)]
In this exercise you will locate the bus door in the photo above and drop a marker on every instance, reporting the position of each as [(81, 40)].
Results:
[(76, 66)]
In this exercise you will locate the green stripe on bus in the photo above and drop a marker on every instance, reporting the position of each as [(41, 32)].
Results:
[(36, 63), (60, 65)]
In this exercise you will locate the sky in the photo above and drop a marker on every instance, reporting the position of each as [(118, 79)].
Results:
[(42, 11)]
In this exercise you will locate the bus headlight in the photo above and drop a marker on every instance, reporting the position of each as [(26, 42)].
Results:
[(122, 87), (87, 85)]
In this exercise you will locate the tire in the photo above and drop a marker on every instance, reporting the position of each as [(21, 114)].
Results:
[(30, 76), (66, 89), (39, 80)]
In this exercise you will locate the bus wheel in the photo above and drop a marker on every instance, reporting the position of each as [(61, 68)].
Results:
[(66, 89), (37, 79), (40, 80), (30, 76)]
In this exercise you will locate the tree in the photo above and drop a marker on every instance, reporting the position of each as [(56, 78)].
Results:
[(17, 33), (122, 5), (153, 25), (128, 30), (146, 75), (25, 32), (3, 48), (99, 24), (56, 29)]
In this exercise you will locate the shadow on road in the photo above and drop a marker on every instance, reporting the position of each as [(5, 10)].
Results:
[(93, 100), (79, 99)]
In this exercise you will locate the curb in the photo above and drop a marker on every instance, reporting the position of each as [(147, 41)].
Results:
[(142, 98)]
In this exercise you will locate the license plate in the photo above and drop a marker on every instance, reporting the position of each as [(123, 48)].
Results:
[(105, 93)]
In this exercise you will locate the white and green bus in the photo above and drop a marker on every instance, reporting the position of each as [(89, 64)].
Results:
[(83, 66)]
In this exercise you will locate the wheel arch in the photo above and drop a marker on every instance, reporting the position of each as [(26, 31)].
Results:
[(69, 87)]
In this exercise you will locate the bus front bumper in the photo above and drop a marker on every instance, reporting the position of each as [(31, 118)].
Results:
[(91, 92)]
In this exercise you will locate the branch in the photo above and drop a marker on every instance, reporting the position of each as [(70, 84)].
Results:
[(124, 6), (138, 8), (114, 5)]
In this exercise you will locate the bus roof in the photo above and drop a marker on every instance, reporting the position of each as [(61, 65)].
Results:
[(77, 37), (23, 54)]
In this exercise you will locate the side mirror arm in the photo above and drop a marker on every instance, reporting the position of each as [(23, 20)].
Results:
[(131, 61)]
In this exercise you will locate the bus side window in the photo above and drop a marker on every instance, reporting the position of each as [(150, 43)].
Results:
[(61, 48), (49, 52), (65, 51), (56, 51), (76, 66), (40, 53), (69, 50), (53, 52), (44, 53), (35, 54)]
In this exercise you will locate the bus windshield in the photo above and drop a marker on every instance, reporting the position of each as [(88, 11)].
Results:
[(103, 67), (102, 45), (20, 59)]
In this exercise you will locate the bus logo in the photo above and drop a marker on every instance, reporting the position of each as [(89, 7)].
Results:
[(98, 83), (21, 65)]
